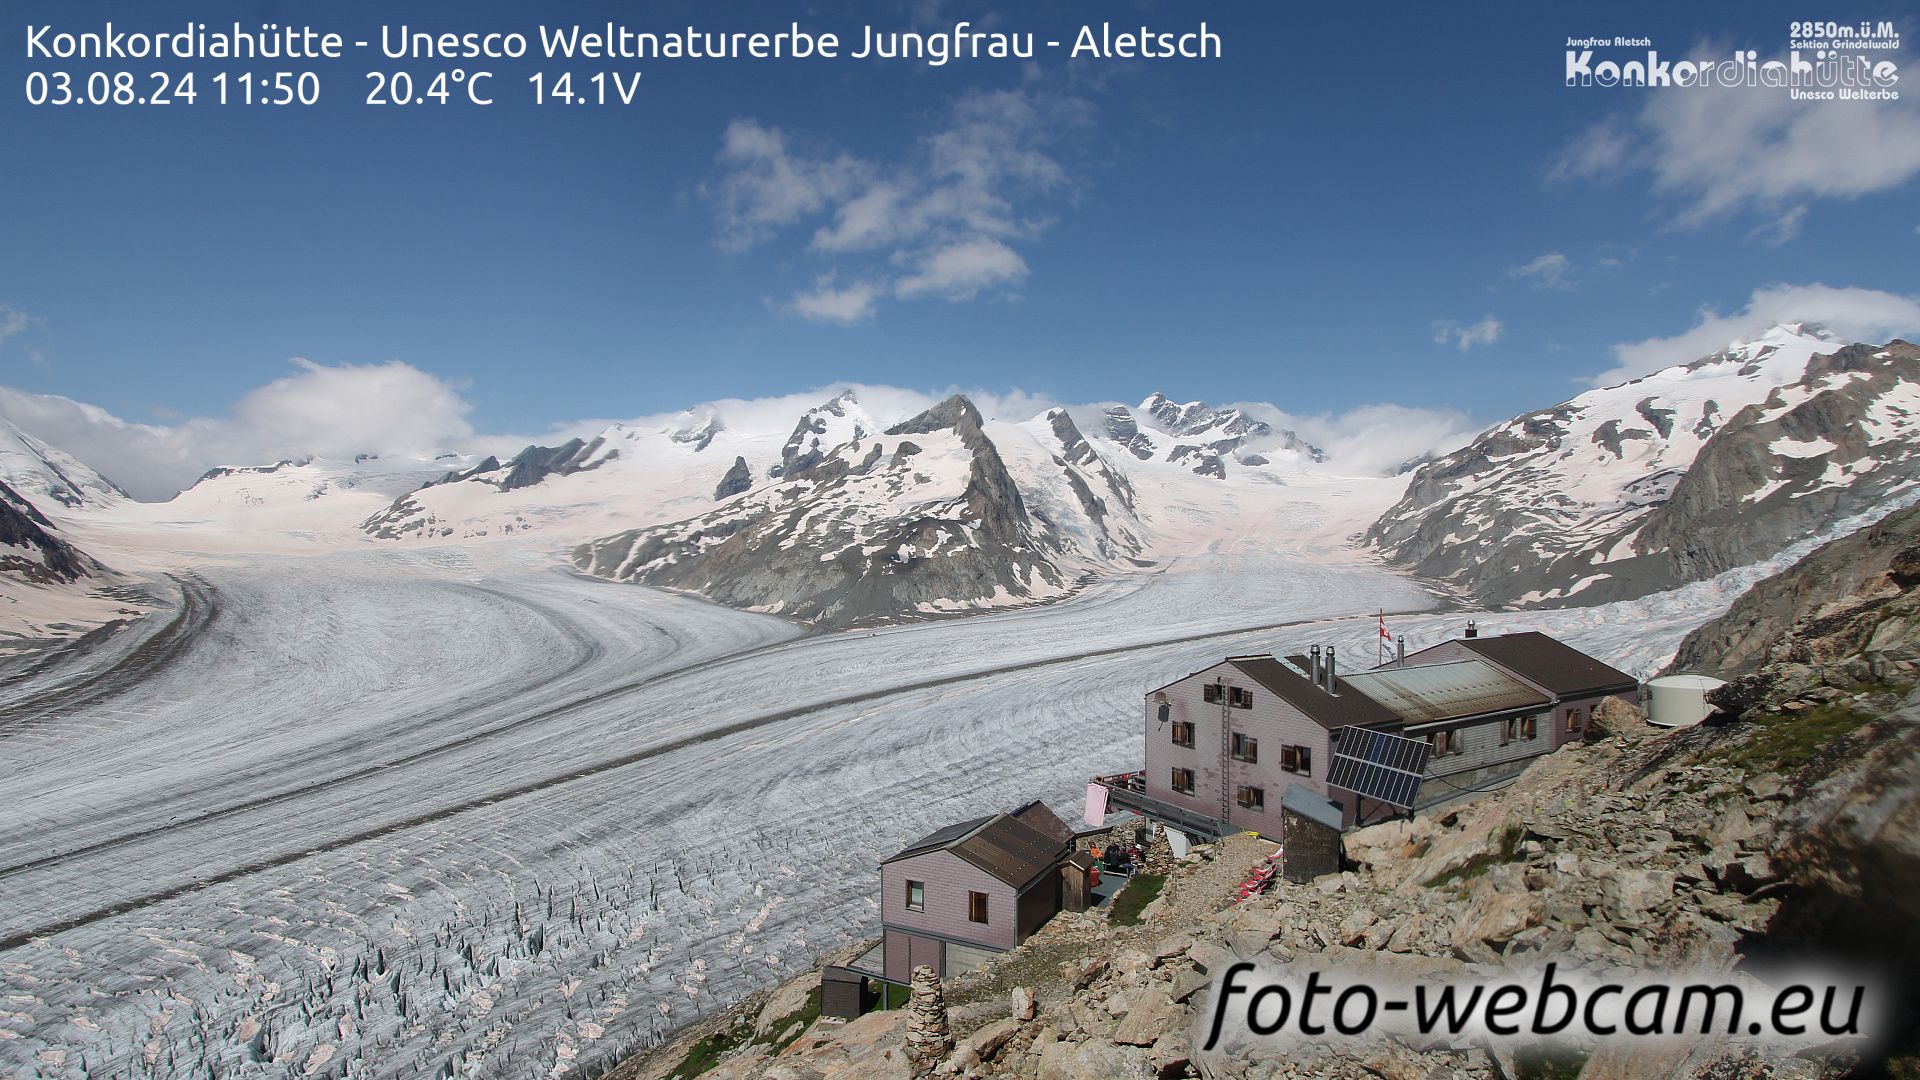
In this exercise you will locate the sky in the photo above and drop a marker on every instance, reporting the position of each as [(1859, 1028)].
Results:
[(1353, 207)]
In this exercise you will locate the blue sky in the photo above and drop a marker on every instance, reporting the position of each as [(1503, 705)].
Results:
[(1354, 205)]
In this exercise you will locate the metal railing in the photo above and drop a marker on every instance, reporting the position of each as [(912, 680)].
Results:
[(1127, 791)]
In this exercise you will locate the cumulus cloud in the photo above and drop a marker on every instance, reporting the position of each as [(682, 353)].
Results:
[(1548, 271), (960, 270), (1850, 314), (940, 220), (1718, 151), (828, 302), (319, 410), (1464, 337)]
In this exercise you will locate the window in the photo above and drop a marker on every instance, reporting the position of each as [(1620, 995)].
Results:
[(1182, 733), (977, 907), (1245, 747), (1210, 693), (1238, 698), (1507, 730), (1253, 798), (1530, 727), (1575, 717), (916, 896), (1444, 743), (1183, 781), (1297, 759)]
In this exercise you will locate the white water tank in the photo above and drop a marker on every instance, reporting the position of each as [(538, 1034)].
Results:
[(1680, 700)]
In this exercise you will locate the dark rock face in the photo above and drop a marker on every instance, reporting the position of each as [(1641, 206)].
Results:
[(1084, 468), (536, 463), (738, 479), (1576, 505), (864, 532), (1122, 429), (29, 548)]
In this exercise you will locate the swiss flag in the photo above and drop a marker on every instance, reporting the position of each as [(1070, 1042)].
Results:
[(1383, 629)]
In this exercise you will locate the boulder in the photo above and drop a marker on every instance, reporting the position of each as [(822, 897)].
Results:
[(1496, 917)]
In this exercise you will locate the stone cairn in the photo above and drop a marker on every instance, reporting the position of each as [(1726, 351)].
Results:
[(928, 1040)]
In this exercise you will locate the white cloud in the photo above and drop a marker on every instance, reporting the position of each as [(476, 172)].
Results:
[(959, 271), (12, 321), (826, 302), (1780, 229), (1853, 314), (1375, 439), (1719, 151), (1602, 152), (319, 410), (1548, 271), (765, 186), (939, 221), (1485, 332)]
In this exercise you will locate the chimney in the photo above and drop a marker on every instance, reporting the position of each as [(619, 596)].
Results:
[(1473, 629), (1333, 680), (1400, 651), (1315, 666)]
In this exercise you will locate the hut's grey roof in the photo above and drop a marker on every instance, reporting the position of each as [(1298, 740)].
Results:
[(1426, 693), (1331, 711), (1549, 662)]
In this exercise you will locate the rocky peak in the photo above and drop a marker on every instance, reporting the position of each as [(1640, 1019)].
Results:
[(698, 433), (821, 429), (1074, 447)]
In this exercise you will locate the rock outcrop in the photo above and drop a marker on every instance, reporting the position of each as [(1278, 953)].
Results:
[(30, 548), (739, 478), (1846, 615)]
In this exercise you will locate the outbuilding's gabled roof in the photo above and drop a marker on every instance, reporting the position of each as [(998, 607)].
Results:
[(1564, 670), (1429, 693), (939, 838), (1331, 711), (1009, 849), (1041, 817)]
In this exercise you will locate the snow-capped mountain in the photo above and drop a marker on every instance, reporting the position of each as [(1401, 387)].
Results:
[(1672, 477), (1201, 438), (846, 514), (862, 526), (37, 471), (311, 495)]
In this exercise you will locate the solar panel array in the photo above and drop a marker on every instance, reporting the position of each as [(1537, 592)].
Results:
[(1379, 766)]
